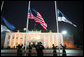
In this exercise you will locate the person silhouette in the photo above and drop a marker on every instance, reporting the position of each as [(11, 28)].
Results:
[(19, 50), (64, 52), (39, 48), (30, 48), (54, 50)]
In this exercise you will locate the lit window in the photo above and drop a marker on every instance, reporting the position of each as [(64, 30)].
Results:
[(13, 38), (9, 37), (54, 37), (16, 37), (50, 37), (21, 38), (47, 37), (42, 37)]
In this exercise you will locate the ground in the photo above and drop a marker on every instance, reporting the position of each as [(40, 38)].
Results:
[(47, 52)]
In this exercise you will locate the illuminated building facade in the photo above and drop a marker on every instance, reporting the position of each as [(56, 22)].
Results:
[(14, 38)]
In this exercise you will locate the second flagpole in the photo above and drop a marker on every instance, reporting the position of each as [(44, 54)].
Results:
[(27, 28), (57, 26)]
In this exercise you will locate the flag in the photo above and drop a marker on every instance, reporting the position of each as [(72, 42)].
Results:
[(36, 16), (10, 26), (4, 28), (63, 18)]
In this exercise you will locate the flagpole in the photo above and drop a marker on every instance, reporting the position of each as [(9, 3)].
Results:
[(27, 28), (56, 13), (2, 5)]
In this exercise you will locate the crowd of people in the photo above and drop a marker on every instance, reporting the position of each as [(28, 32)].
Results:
[(39, 49), (55, 50)]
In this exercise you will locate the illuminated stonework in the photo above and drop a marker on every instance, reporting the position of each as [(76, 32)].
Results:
[(47, 39)]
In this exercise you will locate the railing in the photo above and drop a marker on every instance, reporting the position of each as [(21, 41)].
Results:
[(47, 52)]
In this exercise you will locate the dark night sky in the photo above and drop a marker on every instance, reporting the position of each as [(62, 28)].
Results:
[(16, 13)]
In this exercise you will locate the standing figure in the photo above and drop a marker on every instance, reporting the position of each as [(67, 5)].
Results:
[(19, 50), (39, 48), (30, 48), (54, 50), (64, 52)]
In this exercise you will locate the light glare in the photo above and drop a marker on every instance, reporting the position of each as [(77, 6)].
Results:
[(64, 32)]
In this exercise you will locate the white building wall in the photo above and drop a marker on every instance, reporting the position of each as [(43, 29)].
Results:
[(48, 38)]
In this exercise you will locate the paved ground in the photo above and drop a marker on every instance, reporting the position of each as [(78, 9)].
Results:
[(47, 52)]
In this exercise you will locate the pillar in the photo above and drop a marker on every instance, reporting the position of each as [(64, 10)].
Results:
[(49, 41), (57, 39), (44, 41), (6, 40), (19, 38), (53, 39), (15, 40), (10, 40), (62, 39), (23, 39)]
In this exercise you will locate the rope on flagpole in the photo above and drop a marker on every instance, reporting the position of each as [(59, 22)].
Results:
[(57, 26), (27, 28)]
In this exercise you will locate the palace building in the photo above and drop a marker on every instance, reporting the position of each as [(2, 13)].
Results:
[(12, 39)]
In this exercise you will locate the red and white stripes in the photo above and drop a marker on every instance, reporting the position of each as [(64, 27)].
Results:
[(38, 19)]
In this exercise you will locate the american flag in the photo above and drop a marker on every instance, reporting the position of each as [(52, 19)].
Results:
[(33, 14)]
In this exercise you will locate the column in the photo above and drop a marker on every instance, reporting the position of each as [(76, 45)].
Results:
[(62, 39), (19, 38), (23, 39), (49, 41), (15, 40), (6, 40), (57, 38), (53, 38), (10, 40), (44, 41)]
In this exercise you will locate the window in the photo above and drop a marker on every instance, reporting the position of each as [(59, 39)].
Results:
[(54, 37), (47, 36), (8, 42), (50, 37), (8, 36), (42, 37), (13, 37), (21, 38), (16, 37)]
